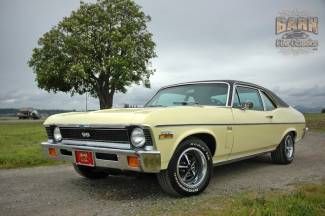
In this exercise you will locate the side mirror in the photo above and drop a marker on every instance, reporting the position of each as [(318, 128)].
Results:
[(247, 105)]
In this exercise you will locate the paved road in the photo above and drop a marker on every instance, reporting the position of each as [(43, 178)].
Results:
[(59, 190)]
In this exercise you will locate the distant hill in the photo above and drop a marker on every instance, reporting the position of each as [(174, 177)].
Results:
[(13, 112), (304, 109)]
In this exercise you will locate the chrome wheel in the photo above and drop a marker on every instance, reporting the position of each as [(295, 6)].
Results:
[(191, 167), (288, 146)]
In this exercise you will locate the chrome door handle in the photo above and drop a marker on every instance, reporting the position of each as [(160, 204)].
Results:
[(269, 116)]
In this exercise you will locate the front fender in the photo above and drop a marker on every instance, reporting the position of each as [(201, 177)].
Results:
[(168, 147), (192, 132)]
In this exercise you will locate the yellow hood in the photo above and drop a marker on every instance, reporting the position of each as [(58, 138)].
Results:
[(144, 116), (110, 116)]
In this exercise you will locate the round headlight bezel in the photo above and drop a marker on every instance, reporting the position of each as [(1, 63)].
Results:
[(137, 137), (57, 136)]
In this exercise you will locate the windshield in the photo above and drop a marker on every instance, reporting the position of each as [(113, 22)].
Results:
[(211, 94)]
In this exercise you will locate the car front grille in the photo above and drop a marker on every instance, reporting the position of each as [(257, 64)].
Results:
[(95, 134), (49, 132), (148, 137), (115, 135)]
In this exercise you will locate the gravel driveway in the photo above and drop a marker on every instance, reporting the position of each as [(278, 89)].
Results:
[(58, 190)]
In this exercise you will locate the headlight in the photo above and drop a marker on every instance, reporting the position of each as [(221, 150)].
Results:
[(137, 137), (57, 134)]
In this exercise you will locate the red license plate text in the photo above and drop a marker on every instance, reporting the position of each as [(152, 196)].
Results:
[(85, 158)]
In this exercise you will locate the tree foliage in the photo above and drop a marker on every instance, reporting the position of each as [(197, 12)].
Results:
[(101, 48)]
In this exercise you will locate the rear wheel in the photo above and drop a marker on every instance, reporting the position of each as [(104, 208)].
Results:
[(90, 172), (189, 170), (284, 153)]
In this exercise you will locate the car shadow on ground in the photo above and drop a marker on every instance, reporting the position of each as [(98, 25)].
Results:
[(139, 186)]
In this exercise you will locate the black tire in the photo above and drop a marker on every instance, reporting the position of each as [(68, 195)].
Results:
[(90, 172), (199, 165), (281, 155)]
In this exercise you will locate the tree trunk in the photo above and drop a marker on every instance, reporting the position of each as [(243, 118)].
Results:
[(106, 100)]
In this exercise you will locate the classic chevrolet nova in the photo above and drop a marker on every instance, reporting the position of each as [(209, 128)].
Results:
[(180, 134)]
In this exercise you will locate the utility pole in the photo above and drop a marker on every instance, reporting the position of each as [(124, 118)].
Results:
[(86, 101)]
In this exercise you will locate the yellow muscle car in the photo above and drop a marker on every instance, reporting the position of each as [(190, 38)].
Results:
[(180, 134)]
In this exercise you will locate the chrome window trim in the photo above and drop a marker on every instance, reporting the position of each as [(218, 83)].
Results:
[(233, 97), (194, 83), (263, 102), (268, 96), (245, 86)]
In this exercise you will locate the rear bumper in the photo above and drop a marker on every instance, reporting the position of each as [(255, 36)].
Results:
[(150, 161)]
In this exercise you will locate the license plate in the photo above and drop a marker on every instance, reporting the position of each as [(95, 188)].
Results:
[(85, 158)]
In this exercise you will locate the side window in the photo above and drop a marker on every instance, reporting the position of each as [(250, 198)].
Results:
[(250, 95), (219, 99), (236, 102), (269, 105)]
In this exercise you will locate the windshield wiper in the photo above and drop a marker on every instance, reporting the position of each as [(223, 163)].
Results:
[(155, 106), (184, 103)]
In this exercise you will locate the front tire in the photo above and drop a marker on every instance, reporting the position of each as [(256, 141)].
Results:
[(284, 153), (90, 172), (189, 170)]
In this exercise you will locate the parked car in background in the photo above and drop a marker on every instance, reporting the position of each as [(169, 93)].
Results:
[(180, 134), (28, 113)]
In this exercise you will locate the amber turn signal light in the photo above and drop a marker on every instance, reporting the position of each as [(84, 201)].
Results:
[(166, 136), (133, 161), (52, 152)]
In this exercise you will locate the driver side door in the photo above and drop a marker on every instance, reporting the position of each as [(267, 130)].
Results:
[(252, 125)]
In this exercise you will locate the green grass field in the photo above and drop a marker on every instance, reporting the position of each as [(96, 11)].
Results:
[(315, 121), (20, 144), (308, 199)]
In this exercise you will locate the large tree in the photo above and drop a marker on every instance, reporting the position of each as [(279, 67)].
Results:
[(101, 48)]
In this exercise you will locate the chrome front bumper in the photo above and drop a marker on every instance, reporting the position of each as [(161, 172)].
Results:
[(150, 161)]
